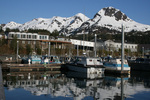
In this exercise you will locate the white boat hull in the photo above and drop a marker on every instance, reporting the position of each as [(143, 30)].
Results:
[(117, 68), (85, 69)]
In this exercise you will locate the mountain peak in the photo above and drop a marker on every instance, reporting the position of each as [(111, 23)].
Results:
[(113, 12), (80, 15), (11, 25)]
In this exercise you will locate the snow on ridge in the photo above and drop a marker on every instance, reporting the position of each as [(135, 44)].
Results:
[(11, 25), (108, 17), (55, 23), (85, 18)]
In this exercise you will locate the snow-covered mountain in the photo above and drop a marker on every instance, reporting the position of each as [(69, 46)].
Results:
[(108, 17), (112, 18), (11, 25), (51, 24)]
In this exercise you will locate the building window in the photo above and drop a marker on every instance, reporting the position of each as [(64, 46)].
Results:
[(29, 37), (46, 37), (33, 36), (18, 35), (23, 36), (42, 37)]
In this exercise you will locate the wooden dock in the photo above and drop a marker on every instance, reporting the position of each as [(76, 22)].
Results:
[(30, 67)]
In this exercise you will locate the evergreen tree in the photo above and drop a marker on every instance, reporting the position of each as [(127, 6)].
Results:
[(13, 44), (1, 30), (55, 33), (28, 49), (7, 30), (38, 49), (14, 30)]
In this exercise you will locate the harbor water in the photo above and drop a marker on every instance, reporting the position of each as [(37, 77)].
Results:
[(74, 86)]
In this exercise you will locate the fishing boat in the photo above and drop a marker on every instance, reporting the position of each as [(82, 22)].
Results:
[(33, 59), (140, 64), (86, 64), (114, 64), (52, 59)]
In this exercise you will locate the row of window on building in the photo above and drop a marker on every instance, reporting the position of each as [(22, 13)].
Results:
[(31, 36), (34, 36)]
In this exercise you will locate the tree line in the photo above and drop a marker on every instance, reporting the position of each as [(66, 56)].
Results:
[(130, 37), (103, 33)]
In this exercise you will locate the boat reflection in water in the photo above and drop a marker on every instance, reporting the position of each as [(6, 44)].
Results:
[(73, 85)]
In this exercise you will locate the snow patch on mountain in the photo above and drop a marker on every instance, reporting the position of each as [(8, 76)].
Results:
[(112, 18)]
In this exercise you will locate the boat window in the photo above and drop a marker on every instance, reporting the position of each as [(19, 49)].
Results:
[(80, 59), (51, 59), (98, 60), (90, 60)]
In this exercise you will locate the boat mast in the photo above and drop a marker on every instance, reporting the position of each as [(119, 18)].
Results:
[(49, 48), (122, 49), (95, 43)]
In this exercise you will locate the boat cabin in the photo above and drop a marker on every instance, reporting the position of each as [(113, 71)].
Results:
[(88, 61)]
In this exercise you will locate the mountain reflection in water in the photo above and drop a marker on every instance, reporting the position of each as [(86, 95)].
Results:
[(76, 86)]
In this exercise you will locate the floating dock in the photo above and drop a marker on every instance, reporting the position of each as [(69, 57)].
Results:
[(30, 67)]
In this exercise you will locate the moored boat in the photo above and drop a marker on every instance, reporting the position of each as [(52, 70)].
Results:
[(33, 59), (50, 59), (140, 64), (114, 64), (86, 64)]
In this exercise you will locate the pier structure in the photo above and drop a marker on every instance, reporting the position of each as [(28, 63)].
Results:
[(30, 67)]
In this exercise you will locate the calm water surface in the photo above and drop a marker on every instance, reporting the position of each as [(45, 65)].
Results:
[(75, 86)]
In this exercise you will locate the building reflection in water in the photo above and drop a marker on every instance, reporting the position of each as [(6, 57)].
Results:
[(75, 85)]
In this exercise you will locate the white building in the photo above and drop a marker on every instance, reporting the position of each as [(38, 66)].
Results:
[(114, 46), (82, 43), (109, 45), (27, 36)]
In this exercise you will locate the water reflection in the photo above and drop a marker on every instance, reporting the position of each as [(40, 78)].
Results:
[(2, 94), (78, 86)]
